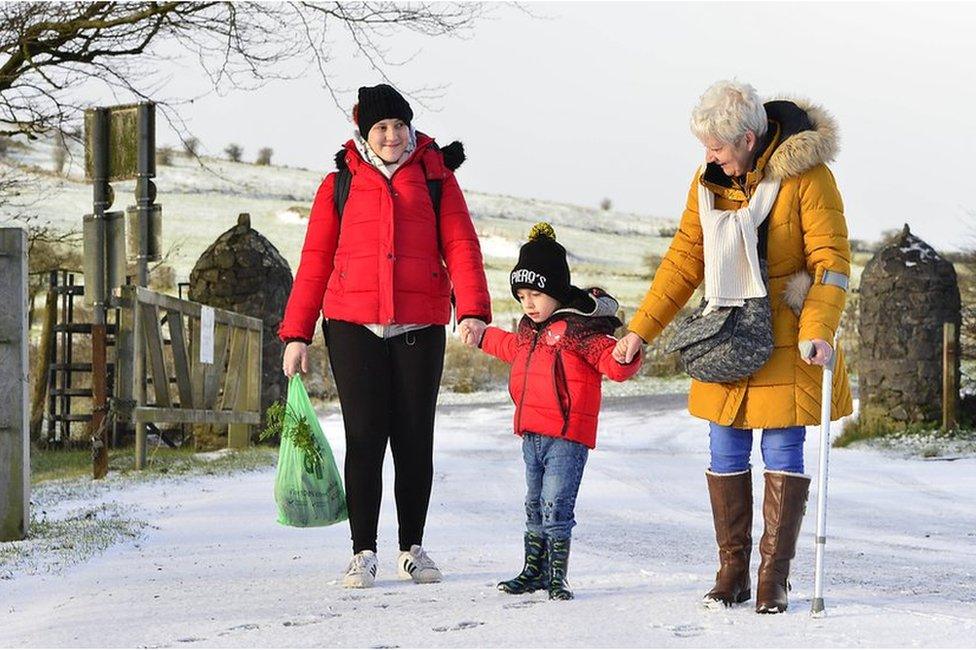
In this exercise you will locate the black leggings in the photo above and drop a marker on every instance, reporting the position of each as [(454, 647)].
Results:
[(388, 391)]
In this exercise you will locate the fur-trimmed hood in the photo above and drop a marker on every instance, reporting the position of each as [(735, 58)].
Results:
[(809, 136)]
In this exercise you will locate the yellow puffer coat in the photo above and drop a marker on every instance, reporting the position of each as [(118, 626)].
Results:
[(807, 236)]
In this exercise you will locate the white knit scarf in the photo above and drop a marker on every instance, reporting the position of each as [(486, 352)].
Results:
[(730, 238)]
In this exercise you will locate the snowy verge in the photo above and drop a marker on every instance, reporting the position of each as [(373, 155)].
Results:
[(74, 520)]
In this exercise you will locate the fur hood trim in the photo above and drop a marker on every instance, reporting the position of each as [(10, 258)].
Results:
[(808, 148)]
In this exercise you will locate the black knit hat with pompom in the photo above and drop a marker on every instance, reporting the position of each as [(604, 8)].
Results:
[(542, 265)]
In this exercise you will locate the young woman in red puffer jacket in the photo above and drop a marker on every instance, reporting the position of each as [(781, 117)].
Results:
[(382, 272), (559, 355)]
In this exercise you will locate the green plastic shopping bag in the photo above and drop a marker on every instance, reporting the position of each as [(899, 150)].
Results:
[(308, 487)]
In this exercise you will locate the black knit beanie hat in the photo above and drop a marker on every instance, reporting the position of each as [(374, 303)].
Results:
[(542, 265), (377, 103)]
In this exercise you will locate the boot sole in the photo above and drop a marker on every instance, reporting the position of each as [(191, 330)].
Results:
[(715, 603), (770, 609), (502, 589)]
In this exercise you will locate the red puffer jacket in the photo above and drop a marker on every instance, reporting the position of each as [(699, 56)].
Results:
[(557, 367), (384, 265)]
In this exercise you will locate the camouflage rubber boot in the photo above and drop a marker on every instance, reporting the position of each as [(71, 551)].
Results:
[(535, 573), (558, 568)]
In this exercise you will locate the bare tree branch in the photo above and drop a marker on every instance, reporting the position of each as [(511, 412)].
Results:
[(49, 49)]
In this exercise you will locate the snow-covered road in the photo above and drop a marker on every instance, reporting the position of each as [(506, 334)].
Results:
[(214, 569)]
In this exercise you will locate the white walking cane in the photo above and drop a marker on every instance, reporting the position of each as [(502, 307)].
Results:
[(826, 394)]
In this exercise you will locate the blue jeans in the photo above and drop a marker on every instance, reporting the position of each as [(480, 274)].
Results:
[(553, 470), (782, 449)]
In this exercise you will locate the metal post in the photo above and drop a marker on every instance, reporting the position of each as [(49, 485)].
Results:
[(145, 195), (102, 200), (826, 397), (145, 188), (14, 405), (97, 280)]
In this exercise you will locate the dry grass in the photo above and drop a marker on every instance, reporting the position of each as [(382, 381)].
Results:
[(467, 370)]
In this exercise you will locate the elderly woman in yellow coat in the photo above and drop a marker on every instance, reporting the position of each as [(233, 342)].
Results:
[(773, 155)]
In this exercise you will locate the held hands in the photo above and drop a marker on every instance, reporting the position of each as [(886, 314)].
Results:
[(295, 359), (818, 353), (627, 347), (471, 330)]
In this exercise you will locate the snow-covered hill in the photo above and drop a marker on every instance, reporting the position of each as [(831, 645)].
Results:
[(200, 201)]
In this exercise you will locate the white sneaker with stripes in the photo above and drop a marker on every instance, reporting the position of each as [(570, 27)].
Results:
[(416, 565), (361, 571)]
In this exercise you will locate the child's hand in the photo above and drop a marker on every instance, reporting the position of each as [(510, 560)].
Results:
[(627, 347), (471, 330)]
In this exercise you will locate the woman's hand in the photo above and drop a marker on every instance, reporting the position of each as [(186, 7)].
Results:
[(627, 347), (471, 330), (821, 353), (295, 359)]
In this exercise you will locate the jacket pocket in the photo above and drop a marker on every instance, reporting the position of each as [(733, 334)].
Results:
[(359, 274), (440, 285), (337, 277)]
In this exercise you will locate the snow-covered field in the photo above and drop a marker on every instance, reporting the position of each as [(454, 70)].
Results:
[(212, 568), (201, 202)]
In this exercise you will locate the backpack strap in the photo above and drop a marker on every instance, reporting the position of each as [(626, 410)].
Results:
[(434, 187), (340, 191)]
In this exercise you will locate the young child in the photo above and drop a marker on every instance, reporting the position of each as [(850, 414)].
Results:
[(558, 356)]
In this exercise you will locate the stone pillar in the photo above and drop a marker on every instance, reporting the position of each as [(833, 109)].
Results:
[(908, 293), (242, 271), (14, 404)]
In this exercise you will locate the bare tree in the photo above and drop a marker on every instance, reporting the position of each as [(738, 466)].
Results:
[(191, 145), (606, 204), (234, 152), (264, 156), (48, 49)]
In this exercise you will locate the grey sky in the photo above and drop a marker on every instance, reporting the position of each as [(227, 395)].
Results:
[(593, 101)]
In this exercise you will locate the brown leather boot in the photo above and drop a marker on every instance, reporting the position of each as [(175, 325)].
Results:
[(731, 496), (783, 507)]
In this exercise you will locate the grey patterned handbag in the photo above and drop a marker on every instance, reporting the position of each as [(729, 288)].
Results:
[(729, 343)]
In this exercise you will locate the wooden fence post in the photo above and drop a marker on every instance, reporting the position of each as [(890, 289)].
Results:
[(950, 391), (14, 404)]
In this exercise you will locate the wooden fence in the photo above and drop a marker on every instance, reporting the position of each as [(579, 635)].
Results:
[(172, 368)]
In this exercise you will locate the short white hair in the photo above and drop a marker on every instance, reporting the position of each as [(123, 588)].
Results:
[(726, 111)]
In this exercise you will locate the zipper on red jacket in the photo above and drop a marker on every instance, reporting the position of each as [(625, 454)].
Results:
[(525, 382), (559, 381)]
